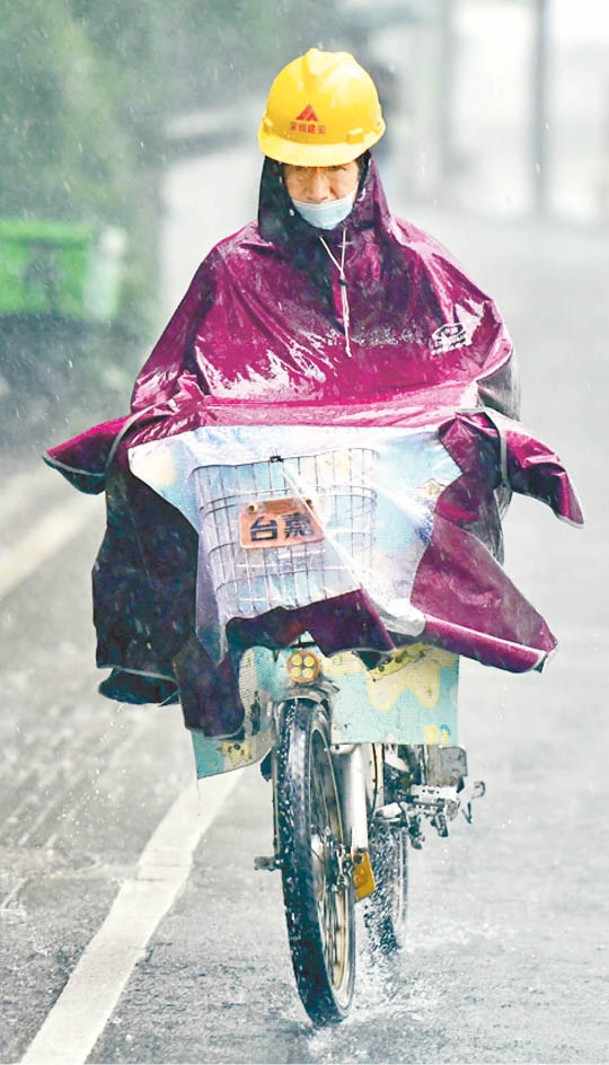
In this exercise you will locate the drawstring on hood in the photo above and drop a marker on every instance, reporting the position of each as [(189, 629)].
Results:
[(342, 280)]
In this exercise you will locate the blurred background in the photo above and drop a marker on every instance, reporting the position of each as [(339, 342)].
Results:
[(496, 108)]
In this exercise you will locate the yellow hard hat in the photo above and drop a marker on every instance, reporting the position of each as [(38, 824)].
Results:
[(322, 110)]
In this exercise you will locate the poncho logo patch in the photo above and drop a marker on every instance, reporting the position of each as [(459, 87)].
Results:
[(449, 336), (307, 122)]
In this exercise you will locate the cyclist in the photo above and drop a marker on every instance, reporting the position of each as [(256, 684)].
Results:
[(326, 299)]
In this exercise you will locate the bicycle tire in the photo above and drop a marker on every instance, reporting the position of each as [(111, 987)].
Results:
[(318, 894)]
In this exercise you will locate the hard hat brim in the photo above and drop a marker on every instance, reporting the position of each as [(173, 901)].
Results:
[(297, 153)]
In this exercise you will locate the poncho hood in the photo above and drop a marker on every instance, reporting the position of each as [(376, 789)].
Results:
[(280, 223)]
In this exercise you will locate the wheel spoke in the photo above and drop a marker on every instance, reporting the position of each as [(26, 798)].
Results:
[(331, 920)]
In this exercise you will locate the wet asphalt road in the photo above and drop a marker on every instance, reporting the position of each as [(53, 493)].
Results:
[(508, 956)]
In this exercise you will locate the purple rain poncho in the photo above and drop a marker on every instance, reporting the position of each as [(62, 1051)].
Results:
[(263, 319), (262, 337)]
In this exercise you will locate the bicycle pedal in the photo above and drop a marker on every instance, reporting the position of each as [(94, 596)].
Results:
[(270, 862), (440, 824), (363, 876), (390, 813)]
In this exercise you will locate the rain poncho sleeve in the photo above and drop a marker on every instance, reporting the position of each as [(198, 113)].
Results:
[(169, 368)]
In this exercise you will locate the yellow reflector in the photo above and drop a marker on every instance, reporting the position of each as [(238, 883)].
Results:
[(363, 877)]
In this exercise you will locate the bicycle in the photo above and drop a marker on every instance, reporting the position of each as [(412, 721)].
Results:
[(359, 746)]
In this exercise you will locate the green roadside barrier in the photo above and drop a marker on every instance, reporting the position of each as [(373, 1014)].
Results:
[(63, 269)]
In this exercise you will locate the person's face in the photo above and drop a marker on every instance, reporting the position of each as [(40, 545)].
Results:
[(318, 184)]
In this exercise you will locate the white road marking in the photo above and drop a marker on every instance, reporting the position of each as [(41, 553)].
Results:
[(50, 534), (83, 1009)]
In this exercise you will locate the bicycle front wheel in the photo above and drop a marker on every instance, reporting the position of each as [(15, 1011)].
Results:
[(317, 883)]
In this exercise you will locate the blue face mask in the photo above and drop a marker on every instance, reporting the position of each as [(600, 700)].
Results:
[(328, 214)]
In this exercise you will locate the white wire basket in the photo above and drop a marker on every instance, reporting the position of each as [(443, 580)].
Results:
[(289, 531)]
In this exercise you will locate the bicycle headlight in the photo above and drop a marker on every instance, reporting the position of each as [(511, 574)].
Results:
[(303, 667)]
